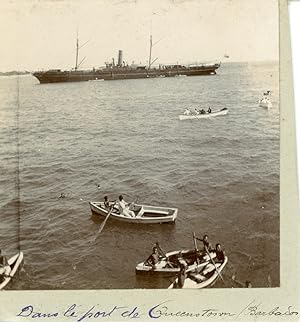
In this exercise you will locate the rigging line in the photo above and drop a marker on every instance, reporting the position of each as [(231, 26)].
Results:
[(17, 177), (84, 43)]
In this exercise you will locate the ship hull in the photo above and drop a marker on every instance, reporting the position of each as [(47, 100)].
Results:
[(58, 76)]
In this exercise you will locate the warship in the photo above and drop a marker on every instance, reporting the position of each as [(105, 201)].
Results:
[(121, 70)]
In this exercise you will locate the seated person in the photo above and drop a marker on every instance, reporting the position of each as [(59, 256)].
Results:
[(220, 254), (3, 264), (209, 110), (3, 260), (187, 112), (181, 276), (202, 111), (124, 208), (153, 259), (106, 203)]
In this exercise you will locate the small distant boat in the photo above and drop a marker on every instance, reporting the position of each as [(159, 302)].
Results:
[(192, 116), (264, 102), (143, 214), (96, 80), (170, 262), (10, 270), (203, 278)]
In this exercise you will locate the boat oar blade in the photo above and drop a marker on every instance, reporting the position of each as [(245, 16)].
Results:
[(214, 264), (104, 222)]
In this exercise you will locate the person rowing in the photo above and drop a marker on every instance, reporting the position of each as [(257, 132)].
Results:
[(3, 260), (161, 253), (124, 208), (154, 258), (181, 276), (187, 111), (3, 264), (206, 243), (220, 254), (106, 203)]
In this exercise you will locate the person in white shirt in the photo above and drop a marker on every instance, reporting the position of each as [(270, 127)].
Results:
[(187, 112), (124, 208)]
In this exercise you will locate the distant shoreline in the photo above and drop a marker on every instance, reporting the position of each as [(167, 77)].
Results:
[(13, 73)]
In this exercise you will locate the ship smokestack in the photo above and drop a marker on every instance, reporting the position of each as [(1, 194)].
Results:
[(120, 58)]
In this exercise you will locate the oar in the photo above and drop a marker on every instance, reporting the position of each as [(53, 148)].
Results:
[(133, 202), (196, 248), (214, 264), (104, 222), (164, 254), (157, 245)]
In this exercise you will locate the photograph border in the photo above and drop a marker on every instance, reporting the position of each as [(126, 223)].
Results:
[(259, 304)]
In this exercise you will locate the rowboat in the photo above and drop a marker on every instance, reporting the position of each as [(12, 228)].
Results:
[(10, 270), (96, 80), (265, 102), (193, 116), (143, 214), (170, 263), (201, 278)]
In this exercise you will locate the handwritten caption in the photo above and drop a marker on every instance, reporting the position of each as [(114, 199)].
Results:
[(157, 311)]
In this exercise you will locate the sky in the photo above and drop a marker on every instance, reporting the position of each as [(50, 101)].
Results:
[(41, 34)]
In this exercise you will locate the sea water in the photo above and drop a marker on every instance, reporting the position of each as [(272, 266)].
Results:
[(91, 139)]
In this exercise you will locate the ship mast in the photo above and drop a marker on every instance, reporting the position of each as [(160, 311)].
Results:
[(150, 53), (77, 49)]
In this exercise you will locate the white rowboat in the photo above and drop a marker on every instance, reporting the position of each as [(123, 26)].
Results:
[(143, 214), (169, 264), (10, 270), (182, 117), (265, 102)]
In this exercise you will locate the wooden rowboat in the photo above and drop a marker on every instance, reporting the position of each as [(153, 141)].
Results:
[(182, 117), (170, 263), (10, 270), (143, 214), (205, 277)]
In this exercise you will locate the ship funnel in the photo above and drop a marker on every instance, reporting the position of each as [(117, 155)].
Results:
[(120, 58)]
